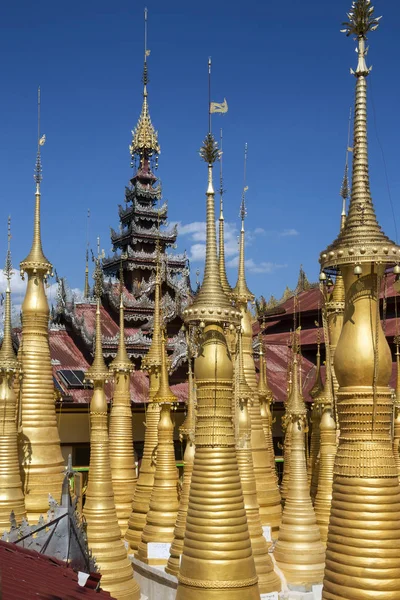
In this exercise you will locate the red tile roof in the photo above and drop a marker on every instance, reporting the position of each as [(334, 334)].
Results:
[(28, 575)]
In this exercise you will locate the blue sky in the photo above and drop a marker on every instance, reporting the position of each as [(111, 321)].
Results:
[(284, 70)]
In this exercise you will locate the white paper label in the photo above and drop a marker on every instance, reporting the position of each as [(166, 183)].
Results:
[(267, 534), (270, 596), (158, 550)]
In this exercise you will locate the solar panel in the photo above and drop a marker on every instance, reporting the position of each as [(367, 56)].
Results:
[(57, 385), (73, 378)]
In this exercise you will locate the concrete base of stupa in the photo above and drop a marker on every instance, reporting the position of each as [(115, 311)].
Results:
[(156, 584)]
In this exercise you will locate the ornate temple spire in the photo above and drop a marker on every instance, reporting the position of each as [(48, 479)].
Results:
[(266, 398), (164, 502), (122, 457), (241, 291), (365, 477), (144, 136), (12, 497), (43, 472), (362, 239), (152, 360), (187, 429), (8, 359), (207, 569), (299, 551), (122, 361), (86, 289), (36, 260), (221, 255), (268, 581), (98, 370), (211, 303), (317, 387)]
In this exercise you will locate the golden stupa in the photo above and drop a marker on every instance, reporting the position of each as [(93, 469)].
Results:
[(363, 549), (42, 461), (103, 532), (11, 495), (217, 559)]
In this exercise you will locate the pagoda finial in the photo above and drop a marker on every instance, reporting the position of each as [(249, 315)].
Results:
[(221, 255), (362, 239), (122, 361), (164, 393), (144, 136), (211, 304), (345, 189), (8, 360), (36, 260), (98, 371), (241, 291)]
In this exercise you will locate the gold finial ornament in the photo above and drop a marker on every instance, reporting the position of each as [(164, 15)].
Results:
[(299, 551), (42, 461), (86, 289), (188, 429), (103, 532), (12, 497), (211, 304), (217, 559), (241, 291), (318, 385), (221, 240), (268, 581), (122, 456), (363, 554), (164, 502)]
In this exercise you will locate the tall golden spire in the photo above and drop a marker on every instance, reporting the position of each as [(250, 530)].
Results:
[(318, 385), (144, 136), (217, 557), (266, 398), (12, 497), (241, 292), (122, 457), (103, 532), (361, 560), (221, 254), (187, 429), (268, 581), (164, 502), (151, 363), (299, 551), (42, 462)]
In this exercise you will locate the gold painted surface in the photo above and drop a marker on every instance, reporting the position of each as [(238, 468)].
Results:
[(266, 398), (11, 495), (268, 495), (122, 457), (328, 445), (188, 429), (299, 551), (39, 442), (217, 559), (268, 581), (164, 502), (103, 532)]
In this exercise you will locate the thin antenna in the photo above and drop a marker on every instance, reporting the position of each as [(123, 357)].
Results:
[(8, 265), (40, 142), (146, 54), (209, 94), (245, 187), (221, 181), (38, 119), (87, 229)]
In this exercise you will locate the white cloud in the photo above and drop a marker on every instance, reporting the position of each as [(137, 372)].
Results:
[(289, 232), (196, 232)]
